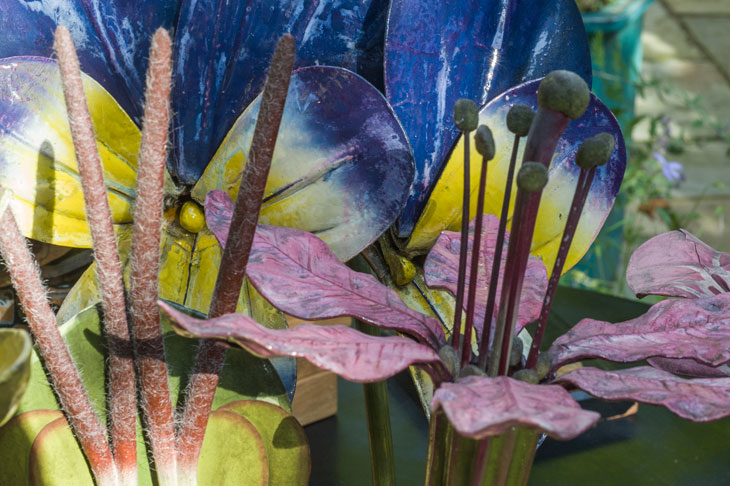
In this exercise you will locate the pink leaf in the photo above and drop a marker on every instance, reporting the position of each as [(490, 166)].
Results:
[(675, 328), (699, 399), (351, 354), (677, 264), (442, 266), (480, 407), (690, 367), (218, 214)]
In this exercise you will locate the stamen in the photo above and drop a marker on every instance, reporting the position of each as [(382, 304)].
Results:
[(485, 146), (122, 387), (519, 119), (466, 118), (531, 180), (210, 357), (593, 152)]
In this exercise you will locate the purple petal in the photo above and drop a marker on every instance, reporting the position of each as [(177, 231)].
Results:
[(699, 399), (442, 266), (348, 353), (481, 407), (675, 328), (299, 275), (677, 264), (690, 367)]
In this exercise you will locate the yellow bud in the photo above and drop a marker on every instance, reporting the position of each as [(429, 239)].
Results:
[(192, 217)]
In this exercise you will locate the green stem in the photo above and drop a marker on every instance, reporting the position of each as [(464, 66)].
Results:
[(436, 457), (379, 431)]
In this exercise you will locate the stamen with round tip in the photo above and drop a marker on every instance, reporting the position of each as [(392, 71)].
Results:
[(122, 386), (592, 152), (531, 179), (466, 118), (148, 341), (484, 143), (210, 358), (519, 119)]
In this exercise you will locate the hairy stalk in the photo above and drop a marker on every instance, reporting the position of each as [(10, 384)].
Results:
[(497, 262), (463, 250), (149, 345), (58, 362), (122, 388), (209, 361)]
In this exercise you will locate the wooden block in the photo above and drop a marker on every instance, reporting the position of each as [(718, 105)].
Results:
[(315, 397)]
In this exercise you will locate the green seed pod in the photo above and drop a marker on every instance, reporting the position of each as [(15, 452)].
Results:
[(450, 358), (519, 119), (466, 115), (565, 92), (595, 151), (532, 177), (471, 370), (484, 142), (544, 363), (527, 375), (515, 355)]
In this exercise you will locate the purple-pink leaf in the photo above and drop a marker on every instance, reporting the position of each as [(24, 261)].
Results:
[(478, 407), (698, 399), (677, 264), (674, 328), (690, 367), (218, 214), (442, 265), (346, 352)]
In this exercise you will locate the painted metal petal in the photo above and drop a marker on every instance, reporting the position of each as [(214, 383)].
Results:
[(442, 266), (222, 52), (478, 407), (37, 158), (14, 370), (346, 352), (675, 328), (678, 264), (342, 165), (698, 400), (689, 367), (443, 208), (438, 52), (112, 38), (299, 275)]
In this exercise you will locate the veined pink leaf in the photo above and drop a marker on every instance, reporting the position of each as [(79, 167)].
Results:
[(690, 367), (698, 399), (479, 406), (346, 352), (299, 275), (675, 328), (442, 266), (677, 264)]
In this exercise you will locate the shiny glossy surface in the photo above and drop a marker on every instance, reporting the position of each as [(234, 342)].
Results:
[(439, 52)]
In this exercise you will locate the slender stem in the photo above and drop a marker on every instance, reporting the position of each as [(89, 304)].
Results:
[(585, 179), (435, 460), (210, 358), (497, 262), (122, 388), (480, 460), (149, 344), (464, 248), (62, 371), (474, 270), (382, 461)]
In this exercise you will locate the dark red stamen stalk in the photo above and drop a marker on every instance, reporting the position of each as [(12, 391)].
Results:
[(145, 258), (531, 179), (63, 373), (466, 118), (485, 146), (122, 387), (209, 361)]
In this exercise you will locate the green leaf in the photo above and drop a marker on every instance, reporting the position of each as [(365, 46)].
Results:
[(16, 438), (15, 351), (56, 458), (286, 443)]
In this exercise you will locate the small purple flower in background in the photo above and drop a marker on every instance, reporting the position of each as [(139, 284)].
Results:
[(671, 169)]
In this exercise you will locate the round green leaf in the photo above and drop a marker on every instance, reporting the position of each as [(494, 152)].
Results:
[(15, 351), (286, 443), (16, 439), (56, 459)]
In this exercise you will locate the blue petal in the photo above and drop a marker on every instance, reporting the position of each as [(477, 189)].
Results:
[(112, 38), (438, 52), (223, 49)]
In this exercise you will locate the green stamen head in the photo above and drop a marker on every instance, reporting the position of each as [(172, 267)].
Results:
[(565, 92), (519, 119), (466, 115), (484, 142), (595, 151), (532, 177)]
